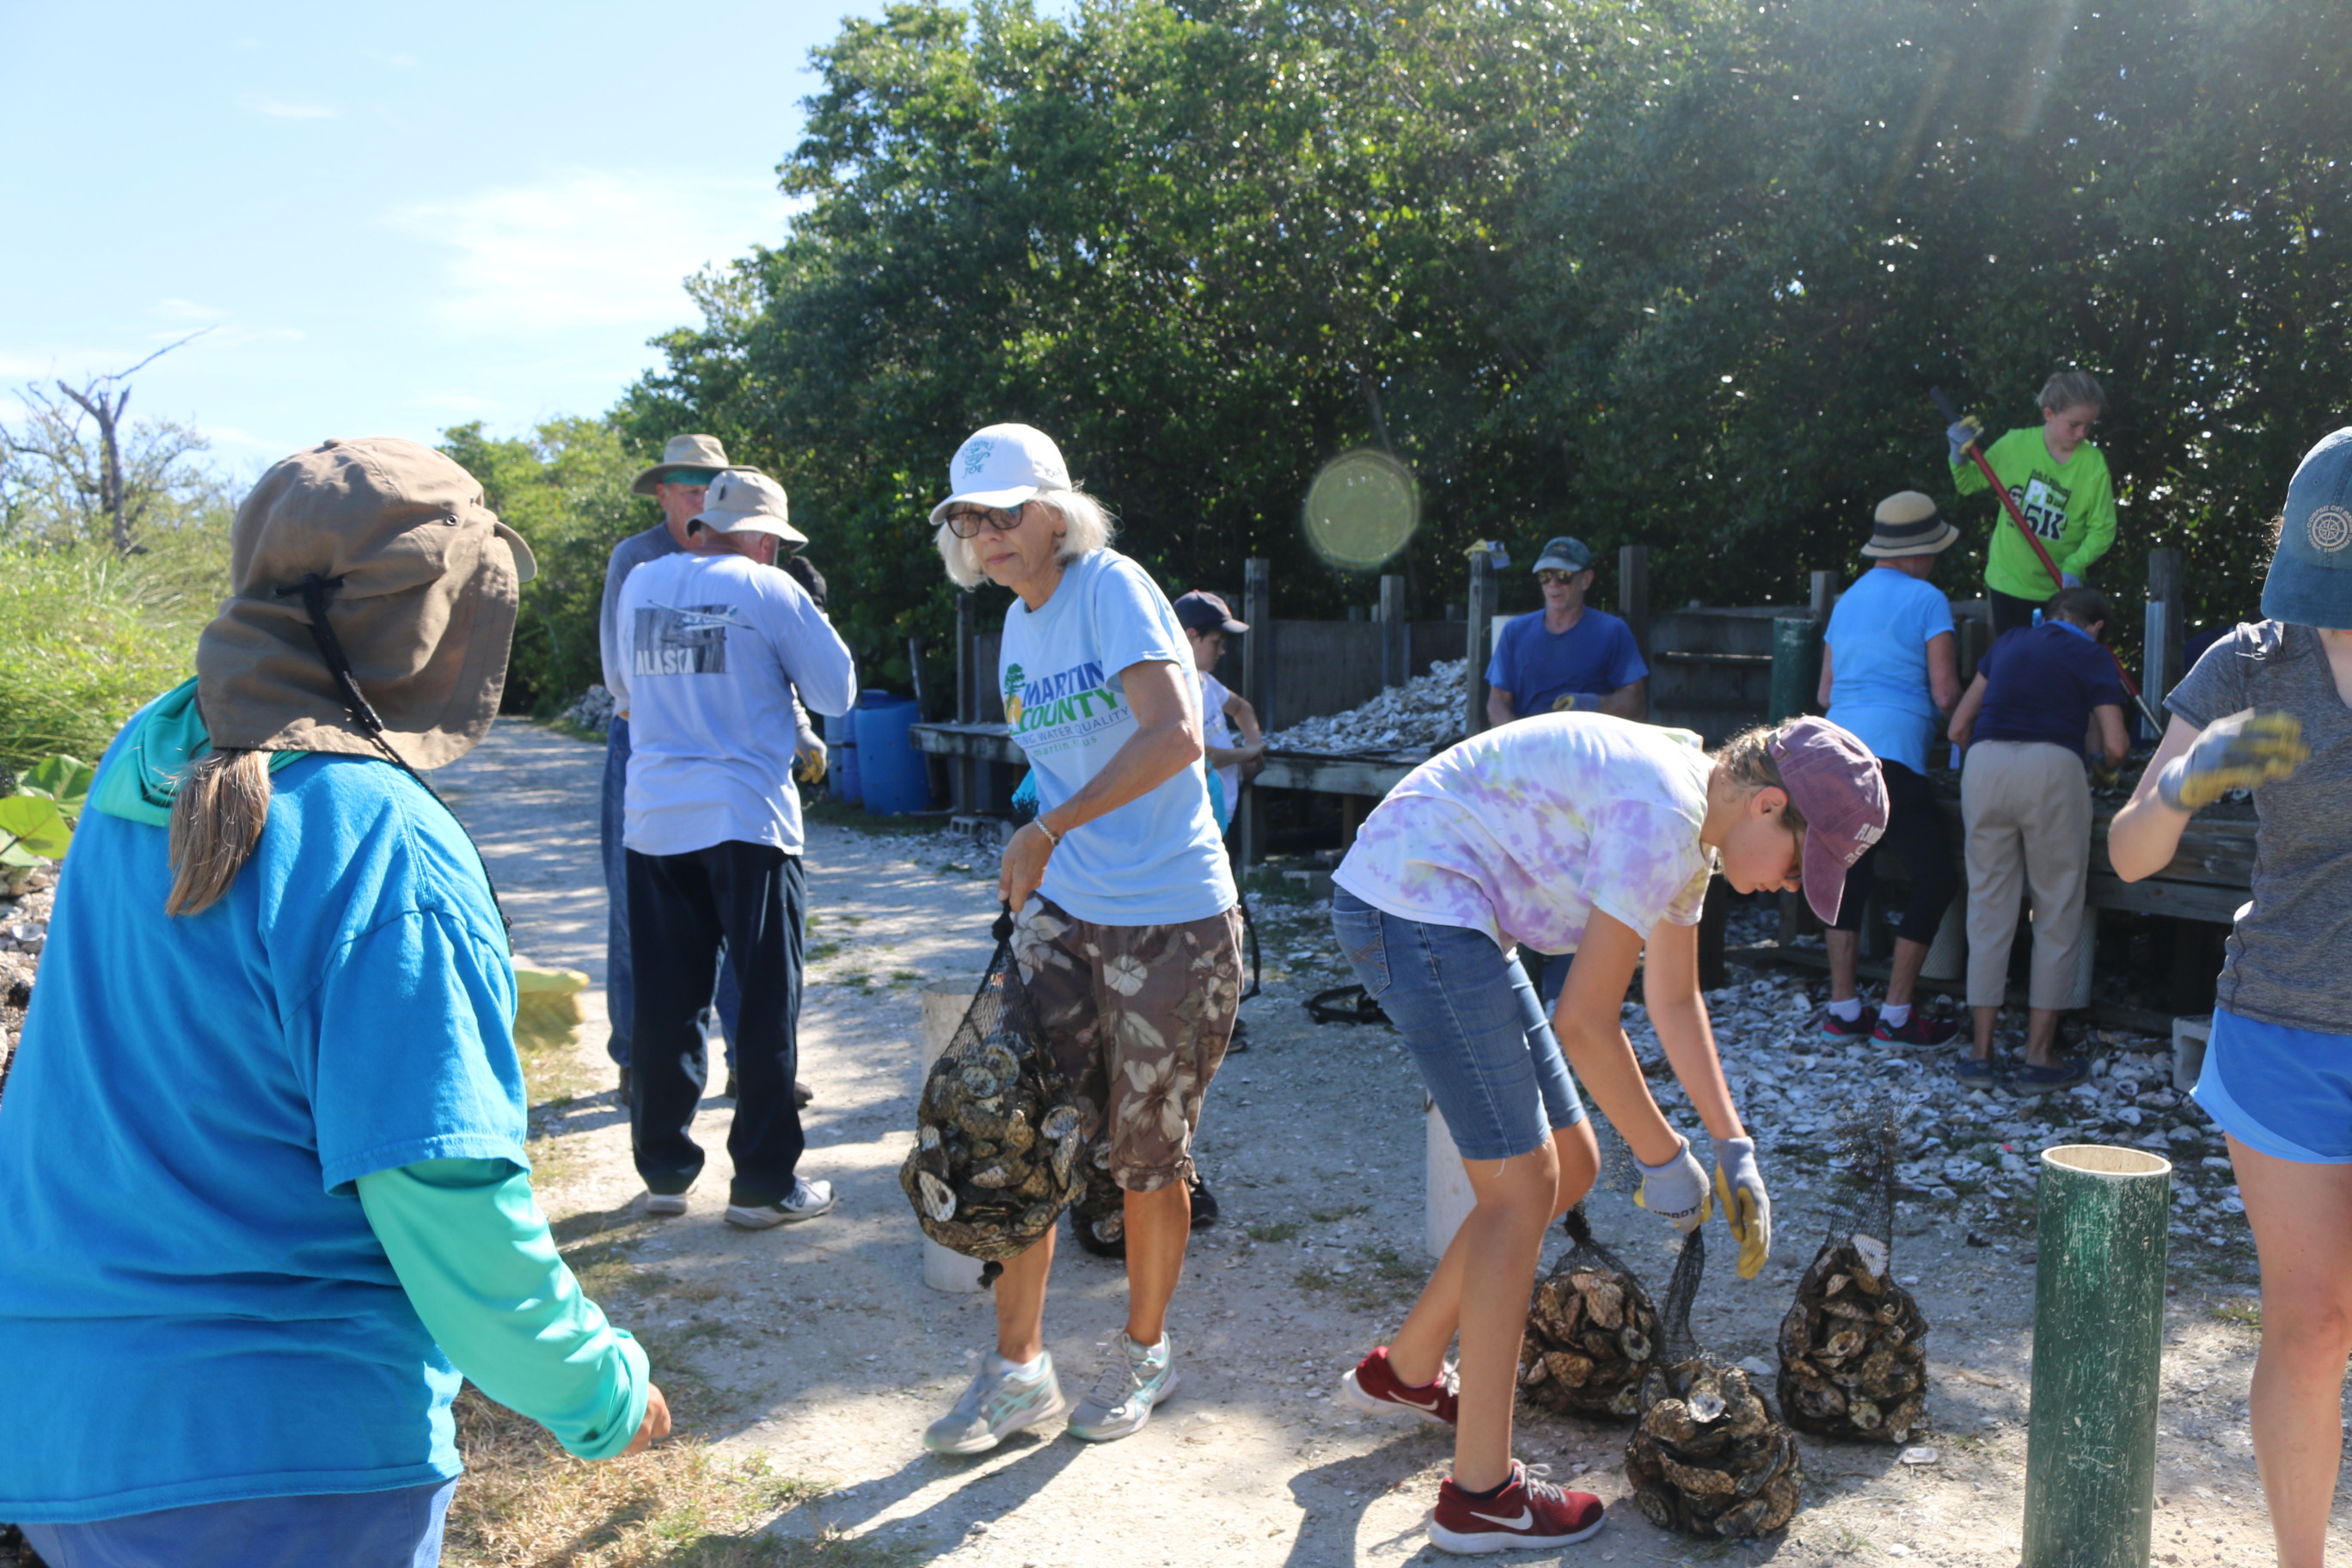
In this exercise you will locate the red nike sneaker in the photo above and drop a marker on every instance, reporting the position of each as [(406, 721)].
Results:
[(1529, 1512), (1375, 1386)]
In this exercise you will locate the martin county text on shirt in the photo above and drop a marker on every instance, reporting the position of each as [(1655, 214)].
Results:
[(1058, 711)]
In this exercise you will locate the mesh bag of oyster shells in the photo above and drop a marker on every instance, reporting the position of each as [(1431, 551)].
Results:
[(1707, 1457), (1592, 1331), (1098, 1218), (1853, 1348), (998, 1153)]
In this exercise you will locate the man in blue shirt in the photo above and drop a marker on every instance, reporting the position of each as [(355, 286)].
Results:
[(2026, 806), (1567, 656)]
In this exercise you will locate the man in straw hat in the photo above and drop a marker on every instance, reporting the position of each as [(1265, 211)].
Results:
[(716, 644), (1889, 673), (679, 482), (264, 1150)]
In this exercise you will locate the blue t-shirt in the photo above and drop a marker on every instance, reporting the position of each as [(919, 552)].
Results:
[(1159, 860), (2042, 682), (193, 1305), (1878, 640), (1594, 657)]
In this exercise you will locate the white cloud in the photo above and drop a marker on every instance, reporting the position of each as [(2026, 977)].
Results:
[(278, 108), (400, 62), (587, 251), (188, 311)]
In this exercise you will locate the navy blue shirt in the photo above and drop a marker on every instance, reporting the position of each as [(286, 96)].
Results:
[(2041, 684), (1593, 658)]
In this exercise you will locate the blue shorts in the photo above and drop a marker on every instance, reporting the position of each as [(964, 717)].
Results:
[(396, 1529), (1471, 1019), (2279, 1091)]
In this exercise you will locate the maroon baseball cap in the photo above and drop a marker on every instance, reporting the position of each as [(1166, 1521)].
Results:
[(1836, 782)]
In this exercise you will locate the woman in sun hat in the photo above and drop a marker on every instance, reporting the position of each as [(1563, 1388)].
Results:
[(263, 1147), (2269, 709), (1595, 835), (1129, 934)]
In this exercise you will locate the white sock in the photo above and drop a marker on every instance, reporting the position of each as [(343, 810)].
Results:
[(1849, 1010), (1152, 1352), (1895, 1014), (1027, 1371)]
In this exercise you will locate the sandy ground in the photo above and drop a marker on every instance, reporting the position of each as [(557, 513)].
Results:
[(819, 1346)]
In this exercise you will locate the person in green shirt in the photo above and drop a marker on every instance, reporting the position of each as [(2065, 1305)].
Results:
[(2059, 481)]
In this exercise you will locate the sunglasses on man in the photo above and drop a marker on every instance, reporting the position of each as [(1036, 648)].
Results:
[(1550, 575)]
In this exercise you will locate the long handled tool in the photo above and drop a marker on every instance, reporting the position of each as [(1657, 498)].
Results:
[(2057, 578)]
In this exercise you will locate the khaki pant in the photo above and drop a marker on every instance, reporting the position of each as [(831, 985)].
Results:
[(2026, 806)]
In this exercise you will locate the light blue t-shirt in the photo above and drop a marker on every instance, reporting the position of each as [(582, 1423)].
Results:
[(193, 1308), (1878, 640), (1159, 860)]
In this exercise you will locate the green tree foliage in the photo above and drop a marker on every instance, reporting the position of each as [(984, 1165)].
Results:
[(566, 490), (1677, 274)]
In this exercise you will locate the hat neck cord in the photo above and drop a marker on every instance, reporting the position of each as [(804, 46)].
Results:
[(314, 590)]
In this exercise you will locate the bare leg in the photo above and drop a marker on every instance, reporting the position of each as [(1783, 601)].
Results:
[(1417, 1353), (2041, 1034), (1845, 962), (1021, 1302), (1986, 1017), (1908, 957), (2302, 1217), (1158, 1228)]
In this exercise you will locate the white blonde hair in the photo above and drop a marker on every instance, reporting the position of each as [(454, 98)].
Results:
[(1087, 527)]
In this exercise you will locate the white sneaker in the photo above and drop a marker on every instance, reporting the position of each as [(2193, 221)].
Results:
[(808, 1200), (666, 1203)]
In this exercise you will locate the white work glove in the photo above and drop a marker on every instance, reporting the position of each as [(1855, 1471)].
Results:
[(2241, 751), (809, 761), (1962, 434), (1675, 1191), (1746, 1206)]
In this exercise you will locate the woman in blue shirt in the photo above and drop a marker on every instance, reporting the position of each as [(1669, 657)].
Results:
[(264, 1140)]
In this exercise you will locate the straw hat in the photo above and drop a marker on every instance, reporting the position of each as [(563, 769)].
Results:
[(419, 581), (1907, 523), (681, 452)]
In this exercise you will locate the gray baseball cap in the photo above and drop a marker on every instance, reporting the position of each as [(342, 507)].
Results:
[(2310, 580)]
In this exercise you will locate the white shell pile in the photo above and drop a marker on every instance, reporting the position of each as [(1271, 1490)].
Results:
[(592, 711), (1424, 714)]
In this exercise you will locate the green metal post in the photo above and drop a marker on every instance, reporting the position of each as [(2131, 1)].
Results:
[(1796, 666), (2098, 1348)]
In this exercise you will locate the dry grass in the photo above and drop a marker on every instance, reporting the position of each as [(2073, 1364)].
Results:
[(525, 1503)]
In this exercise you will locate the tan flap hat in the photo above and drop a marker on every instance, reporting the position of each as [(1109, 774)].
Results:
[(419, 581), (745, 500), (681, 452)]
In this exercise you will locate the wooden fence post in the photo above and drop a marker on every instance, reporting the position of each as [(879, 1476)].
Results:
[(1633, 593), (2168, 622), (1393, 657), (968, 775), (1482, 597), (1257, 647)]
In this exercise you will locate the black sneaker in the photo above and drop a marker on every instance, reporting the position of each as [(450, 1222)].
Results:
[(622, 1094), (1239, 1039), (1833, 1028), (1204, 1203), (1921, 1028)]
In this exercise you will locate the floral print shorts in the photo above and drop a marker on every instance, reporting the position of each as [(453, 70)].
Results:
[(1139, 1018)]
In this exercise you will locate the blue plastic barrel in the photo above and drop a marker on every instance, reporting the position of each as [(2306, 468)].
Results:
[(841, 761), (896, 777)]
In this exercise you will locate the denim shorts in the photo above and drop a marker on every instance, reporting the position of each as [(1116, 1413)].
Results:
[(1474, 1025), (2279, 1091)]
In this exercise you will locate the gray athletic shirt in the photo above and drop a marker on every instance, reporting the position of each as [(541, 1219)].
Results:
[(2287, 953)]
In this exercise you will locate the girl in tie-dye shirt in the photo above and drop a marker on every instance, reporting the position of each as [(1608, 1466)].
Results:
[(1571, 833)]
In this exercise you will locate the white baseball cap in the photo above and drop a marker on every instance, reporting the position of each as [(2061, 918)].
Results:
[(1002, 465), (745, 500)]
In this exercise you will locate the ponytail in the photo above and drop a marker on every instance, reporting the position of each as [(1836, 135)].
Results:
[(217, 814)]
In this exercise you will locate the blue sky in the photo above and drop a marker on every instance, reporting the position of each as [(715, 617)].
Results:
[(394, 217)]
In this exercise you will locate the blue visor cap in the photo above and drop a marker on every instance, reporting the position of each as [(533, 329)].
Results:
[(2310, 581)]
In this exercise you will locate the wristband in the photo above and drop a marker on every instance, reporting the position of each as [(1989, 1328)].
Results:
[(1051, 837)]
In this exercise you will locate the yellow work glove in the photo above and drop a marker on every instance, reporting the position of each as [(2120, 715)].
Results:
[(1675, 1191), (1746, 1206), (809, 764), (2239, 751), (1575, 701)]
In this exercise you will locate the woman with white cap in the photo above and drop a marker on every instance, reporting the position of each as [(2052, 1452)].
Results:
[(263, 1146), (1595, 835), (1127, 932), (2269, 709)]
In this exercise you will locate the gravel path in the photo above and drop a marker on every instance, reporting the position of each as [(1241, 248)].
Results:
[(819, 1346)]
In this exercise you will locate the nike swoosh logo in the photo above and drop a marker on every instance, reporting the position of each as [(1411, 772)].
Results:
[(1527, 1516), (1432, 1407)]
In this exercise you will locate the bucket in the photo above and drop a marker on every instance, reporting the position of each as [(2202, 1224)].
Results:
[(895, 775), (841, 762)]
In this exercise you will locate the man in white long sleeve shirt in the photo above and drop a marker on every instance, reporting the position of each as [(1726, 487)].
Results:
[(716, 645)]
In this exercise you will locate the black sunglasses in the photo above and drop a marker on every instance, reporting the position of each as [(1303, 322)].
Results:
[(968, 524)]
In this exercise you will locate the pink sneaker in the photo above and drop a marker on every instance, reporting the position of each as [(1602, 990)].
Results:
[(1529, 1512), (1374, 1386)]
